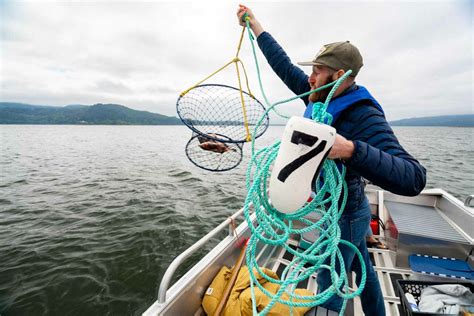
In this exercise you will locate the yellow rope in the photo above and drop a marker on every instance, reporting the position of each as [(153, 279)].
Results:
[(246, 78), (240, 42), (236, 60), (248, 138), (197, 84), (246, 124)]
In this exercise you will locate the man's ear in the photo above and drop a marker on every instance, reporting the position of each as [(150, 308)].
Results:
[(338, 74)]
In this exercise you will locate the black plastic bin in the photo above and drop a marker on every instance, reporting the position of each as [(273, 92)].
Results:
[(415, 288)]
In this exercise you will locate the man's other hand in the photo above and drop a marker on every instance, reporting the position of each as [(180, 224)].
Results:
[(342, 148)]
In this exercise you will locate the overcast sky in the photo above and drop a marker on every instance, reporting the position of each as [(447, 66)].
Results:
[(418, 55)]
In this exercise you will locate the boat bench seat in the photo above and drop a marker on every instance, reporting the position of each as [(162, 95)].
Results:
[(426, 221), (423, 229)]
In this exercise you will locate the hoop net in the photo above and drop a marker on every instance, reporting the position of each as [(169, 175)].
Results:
[(207, 153), (214, 109)]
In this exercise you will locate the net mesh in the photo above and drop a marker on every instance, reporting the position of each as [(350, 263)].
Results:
[(207, 153), (217, 109)]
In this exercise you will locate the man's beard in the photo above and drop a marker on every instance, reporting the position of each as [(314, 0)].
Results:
[(321, 96)]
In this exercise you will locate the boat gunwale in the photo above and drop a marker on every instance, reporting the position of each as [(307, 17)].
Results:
[(171, 292)]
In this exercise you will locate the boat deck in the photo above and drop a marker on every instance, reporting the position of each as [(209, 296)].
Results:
[(433, 223), (388, 275)]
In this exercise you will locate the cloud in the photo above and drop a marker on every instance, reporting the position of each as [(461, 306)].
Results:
[(112, 87), (417, 55)]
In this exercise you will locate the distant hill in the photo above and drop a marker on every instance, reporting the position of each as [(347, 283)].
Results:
[(97, 114), (465, 120)]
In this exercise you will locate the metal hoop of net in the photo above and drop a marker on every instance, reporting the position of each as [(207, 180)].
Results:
[(217, 109), (207, 153)]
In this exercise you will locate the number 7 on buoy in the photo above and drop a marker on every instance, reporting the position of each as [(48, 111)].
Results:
[(304, 146)]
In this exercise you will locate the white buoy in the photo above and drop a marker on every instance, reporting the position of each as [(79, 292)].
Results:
[(303, 149)]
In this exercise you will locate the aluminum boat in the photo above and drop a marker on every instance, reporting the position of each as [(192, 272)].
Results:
[(434, 223)]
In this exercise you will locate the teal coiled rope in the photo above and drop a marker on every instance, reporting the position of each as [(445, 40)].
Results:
[(275, 228)]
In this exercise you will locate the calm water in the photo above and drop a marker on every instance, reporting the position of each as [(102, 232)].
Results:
[(91, 216)]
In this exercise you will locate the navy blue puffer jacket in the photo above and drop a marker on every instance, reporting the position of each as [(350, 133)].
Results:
[(378, 156)]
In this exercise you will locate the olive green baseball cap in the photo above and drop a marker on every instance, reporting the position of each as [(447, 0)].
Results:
[(338, 55)]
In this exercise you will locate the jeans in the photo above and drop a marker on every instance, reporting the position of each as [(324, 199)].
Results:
[(369, 232), (354, 229)]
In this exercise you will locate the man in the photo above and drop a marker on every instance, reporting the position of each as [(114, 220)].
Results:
[(365, 144)]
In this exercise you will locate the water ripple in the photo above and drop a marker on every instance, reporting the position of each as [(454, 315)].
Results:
[(90, 217)]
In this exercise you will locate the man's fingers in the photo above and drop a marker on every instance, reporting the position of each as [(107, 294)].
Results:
[(240, 12)]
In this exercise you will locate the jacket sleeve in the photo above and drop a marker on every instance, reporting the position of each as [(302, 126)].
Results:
[(379, 157), (293, 77)]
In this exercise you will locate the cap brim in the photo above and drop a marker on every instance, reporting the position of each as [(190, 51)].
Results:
[(306, 63), (309, 63)]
